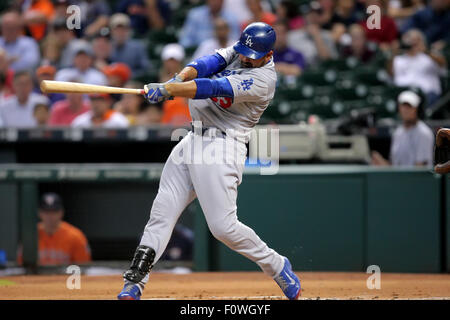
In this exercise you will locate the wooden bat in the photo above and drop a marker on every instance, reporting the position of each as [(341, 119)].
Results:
[(48, 86)]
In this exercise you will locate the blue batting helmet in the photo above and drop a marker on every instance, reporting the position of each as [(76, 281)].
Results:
[(256, 40)]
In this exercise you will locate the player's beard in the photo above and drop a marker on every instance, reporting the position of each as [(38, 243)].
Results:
[(246, 65)]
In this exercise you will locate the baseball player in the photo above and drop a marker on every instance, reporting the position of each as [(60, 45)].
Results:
[(227, 92)]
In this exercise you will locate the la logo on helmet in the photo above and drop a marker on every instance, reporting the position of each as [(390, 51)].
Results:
[(249, 42)]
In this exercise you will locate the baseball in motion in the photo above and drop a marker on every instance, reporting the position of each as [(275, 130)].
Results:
[(228, 92)]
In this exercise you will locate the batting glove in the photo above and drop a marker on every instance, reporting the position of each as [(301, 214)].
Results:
[(156, 92)]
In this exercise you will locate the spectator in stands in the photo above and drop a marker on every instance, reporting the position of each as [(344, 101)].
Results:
[(176, 111), (401, 10), (199, 23), (82, 66), (130, 105), (433, 21), (345, 14), (358, 45), (418, 67), (41, 114), (4, 92), (146, 14), (172, 56), (60, 243), (327, 8), (312, 41), (102, 47), (47, 72), (149, 114), (65, 111), (36, 14), (6, 74), (17, 110), (126, 50), (23, 52), (258, 14), (95, 15), (413, 141), (288, 10), (101, 114), (60, 9), (221, 40), (386, 35), (59, 45), (239, 9), (288, 62), (118, 74)]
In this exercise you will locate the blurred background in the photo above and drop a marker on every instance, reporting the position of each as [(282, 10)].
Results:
[(357, 108)]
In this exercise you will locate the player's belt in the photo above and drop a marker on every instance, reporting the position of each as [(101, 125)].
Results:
[(212, 131)]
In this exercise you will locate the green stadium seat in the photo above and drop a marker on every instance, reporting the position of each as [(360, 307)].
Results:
[(340, 64), (371, 75), (302, 92), (287, 111), (358, 91), (318, 77), (354, 104), (384, 100), (327, 107)]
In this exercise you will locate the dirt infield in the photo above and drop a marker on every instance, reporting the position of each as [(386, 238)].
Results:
[(232, 285)]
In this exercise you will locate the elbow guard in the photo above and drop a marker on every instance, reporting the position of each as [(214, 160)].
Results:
[(207, 88), (208, 65)]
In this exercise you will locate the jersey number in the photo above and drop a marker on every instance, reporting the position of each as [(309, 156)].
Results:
[(224, 102)]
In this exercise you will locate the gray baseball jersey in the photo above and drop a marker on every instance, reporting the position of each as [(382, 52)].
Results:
[(215, 184), (253, 88)]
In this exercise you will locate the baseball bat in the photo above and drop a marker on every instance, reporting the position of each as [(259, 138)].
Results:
[(48, 86)]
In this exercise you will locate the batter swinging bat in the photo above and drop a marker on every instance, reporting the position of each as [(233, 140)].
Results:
[(48, 86)]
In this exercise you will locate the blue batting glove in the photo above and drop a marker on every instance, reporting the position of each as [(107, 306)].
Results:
[(156, 92)]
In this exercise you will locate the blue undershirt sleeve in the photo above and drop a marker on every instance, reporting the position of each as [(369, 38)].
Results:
[(208, 65), (207, 88)]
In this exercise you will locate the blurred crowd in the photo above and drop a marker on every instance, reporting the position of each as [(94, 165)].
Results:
[(112, 47)]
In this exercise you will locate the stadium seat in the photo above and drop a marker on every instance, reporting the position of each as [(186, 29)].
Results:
[(384, 100), (371, 75), (287, 111), (327, 107), (318, 77), (301, 92), (340, 64), (356, 91)]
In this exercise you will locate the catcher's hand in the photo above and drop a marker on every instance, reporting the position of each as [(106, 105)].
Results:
[(442, 151)]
